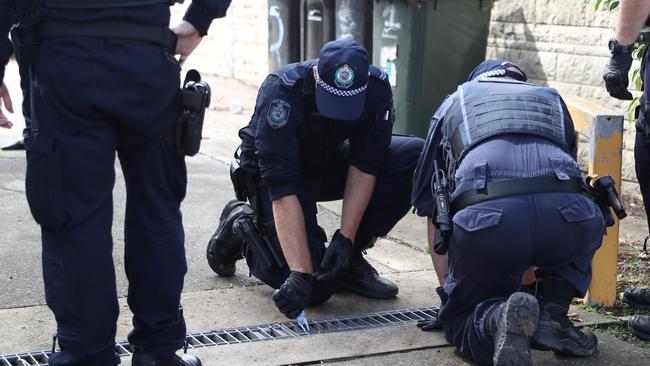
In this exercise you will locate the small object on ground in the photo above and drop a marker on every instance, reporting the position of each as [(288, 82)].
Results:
[(302, 321), (236, 107)]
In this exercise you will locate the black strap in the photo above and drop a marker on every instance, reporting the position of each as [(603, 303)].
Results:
[(546, 184), (90, 4), (154, 34)]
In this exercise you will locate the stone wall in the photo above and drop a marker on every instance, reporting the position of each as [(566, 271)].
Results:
[(563, 44), (236, 46)]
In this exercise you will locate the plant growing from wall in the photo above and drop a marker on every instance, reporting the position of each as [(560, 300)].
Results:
[(637, 53)]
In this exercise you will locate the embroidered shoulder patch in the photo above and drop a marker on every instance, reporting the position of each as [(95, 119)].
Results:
[(278, 114)]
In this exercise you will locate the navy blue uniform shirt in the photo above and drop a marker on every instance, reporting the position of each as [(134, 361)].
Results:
[(503, 157), (200, 14), (287, 137)]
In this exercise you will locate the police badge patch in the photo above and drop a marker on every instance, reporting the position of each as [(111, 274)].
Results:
[(278, 114), (344, 77)]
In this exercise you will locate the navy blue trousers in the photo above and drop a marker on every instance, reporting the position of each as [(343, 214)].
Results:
[(496, 241), (642, 141), (92, 98), (390, 201)]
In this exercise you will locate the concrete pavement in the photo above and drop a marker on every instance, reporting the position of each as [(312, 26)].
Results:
[(211, 302)]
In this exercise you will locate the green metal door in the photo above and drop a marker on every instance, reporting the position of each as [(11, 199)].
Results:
[(427, 48)]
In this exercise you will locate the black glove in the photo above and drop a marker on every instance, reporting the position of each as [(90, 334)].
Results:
[(336, 260), (431, 324), (292, 297), (615, 75)]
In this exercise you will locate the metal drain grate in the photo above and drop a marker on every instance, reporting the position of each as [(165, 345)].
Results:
[(259, 333)]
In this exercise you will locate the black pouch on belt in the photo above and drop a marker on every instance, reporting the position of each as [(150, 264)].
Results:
[(195, 96)]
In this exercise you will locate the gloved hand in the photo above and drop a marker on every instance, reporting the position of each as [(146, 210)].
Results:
[(292, 297), (615, 76), (431, 324), (336, 260)]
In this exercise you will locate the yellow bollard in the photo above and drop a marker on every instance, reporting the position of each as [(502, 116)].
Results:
[(604, 129)]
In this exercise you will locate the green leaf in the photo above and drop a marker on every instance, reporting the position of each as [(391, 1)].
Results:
[(597, 4), (613, 5), (631, 108)]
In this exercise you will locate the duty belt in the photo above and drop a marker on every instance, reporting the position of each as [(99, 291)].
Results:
[(547, 184), (26, 35)]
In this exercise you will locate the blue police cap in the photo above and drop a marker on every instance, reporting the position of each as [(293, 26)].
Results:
[(497, 68), (342, 80)]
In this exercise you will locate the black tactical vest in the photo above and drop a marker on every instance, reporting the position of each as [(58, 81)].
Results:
[(487, 108)]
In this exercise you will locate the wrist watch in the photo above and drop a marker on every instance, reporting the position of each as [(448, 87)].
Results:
[(615, 48)]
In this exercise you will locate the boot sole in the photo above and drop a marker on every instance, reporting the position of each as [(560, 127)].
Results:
[(515, 329), (221, 267), (547, 340)]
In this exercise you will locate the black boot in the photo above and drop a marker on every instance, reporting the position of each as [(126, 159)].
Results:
[(554, 330), (639, 325), (638, 297), (143, 358), (511, 325), (364, 280), (225, 246)]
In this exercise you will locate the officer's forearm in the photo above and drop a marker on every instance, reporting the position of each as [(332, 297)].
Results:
[(440, 262), (631, 17), (358, 190), (290, 226)]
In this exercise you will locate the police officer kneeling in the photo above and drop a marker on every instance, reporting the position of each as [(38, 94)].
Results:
[(321, 131), (507, 148)]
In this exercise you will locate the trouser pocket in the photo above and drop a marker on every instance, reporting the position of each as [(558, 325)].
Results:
[(44, 182)]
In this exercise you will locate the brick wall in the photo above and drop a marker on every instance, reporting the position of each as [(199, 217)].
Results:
[(563, 44), (236, 46)]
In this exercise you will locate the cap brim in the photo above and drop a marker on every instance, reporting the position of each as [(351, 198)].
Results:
[(340, 108)]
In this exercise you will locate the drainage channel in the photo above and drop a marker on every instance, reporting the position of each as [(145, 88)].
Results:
[(259, 333)]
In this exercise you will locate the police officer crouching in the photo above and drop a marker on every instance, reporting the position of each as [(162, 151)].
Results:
[(321, 131), (104, 80), (503, 151)]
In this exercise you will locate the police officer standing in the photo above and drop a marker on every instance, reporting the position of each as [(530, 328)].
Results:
[(104, 79), (502, 151), (633, 14), (321, 131)]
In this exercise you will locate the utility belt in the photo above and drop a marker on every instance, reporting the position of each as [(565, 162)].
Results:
[(546, 184), (36, 33), (601, 190)]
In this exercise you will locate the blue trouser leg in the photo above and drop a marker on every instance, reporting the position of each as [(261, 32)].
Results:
[(89, 100), (154, 244), (642, 141), (496, 241)]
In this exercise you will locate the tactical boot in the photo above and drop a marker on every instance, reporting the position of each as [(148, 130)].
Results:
[(364, 280), (639, 325), (638, 297), (511, 325), (143, 358), (225, 245), (555, 331)]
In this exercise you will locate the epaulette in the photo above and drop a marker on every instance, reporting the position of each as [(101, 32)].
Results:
[(290, 74), (377, 73)]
